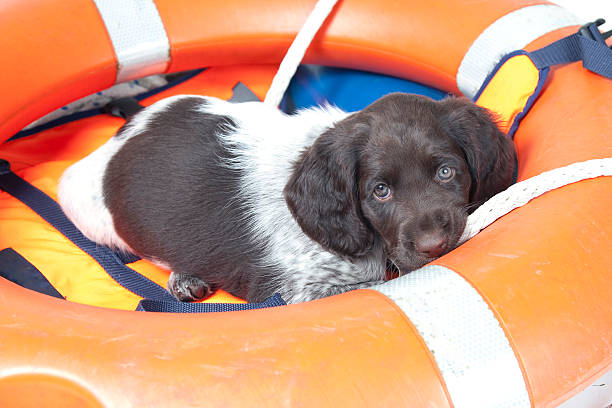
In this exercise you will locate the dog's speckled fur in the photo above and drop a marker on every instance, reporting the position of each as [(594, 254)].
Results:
[(245, 198)]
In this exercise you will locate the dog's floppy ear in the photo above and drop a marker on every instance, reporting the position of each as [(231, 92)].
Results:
[(490, 154), (322, 192)]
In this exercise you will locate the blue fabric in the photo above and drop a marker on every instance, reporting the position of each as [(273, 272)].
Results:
[(148, 305), (347, 89)]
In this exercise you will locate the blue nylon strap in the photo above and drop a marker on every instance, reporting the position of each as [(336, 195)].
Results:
[(595, 54), (148, 305), (51, 212), (17, 269), (96, 111), (129, 106)]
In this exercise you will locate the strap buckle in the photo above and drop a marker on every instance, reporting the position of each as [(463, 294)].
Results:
[(591, 31)]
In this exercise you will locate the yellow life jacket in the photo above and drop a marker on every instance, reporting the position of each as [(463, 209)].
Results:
[(27, 240)]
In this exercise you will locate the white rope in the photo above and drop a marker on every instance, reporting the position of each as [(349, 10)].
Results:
[(296, 51), (522, 192)]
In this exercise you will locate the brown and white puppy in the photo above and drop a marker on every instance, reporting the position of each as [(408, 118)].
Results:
[(245, 198)]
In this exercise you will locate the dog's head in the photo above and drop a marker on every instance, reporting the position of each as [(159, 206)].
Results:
[(403, 173)]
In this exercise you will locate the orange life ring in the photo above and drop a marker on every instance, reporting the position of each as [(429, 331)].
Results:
[(542, 271)]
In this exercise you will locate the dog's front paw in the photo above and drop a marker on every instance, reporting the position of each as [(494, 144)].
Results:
[(188, 288)]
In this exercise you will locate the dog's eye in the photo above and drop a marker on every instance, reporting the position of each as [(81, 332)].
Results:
[(382, 192), (445, 174)]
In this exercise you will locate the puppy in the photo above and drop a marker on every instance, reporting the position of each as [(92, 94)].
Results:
[(245, 198)]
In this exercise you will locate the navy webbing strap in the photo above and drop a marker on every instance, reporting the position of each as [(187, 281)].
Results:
[(129, 106), (588, 45), (148, 305), (51, 212), (17, 269), (177, 79)]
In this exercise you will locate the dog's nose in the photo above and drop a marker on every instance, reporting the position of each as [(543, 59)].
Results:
[(431, 244)]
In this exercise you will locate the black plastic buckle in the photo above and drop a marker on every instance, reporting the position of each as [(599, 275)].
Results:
[(591, 31)]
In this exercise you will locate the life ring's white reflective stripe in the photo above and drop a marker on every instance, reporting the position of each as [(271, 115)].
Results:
[(138, 36), (509, 33), (470, 348)]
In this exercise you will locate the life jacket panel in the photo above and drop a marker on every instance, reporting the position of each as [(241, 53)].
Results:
[(41, 159)]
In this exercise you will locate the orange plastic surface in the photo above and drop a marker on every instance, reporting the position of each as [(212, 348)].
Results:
[(53, 52), (356, 350), (360, 34), (67, 40)]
